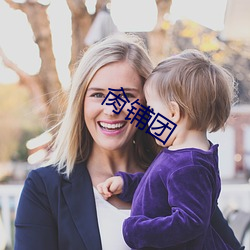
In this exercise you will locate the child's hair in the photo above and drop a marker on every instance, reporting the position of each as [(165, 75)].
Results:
[(203, 90)]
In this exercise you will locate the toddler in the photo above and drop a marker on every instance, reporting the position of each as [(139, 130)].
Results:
[(174, 201)]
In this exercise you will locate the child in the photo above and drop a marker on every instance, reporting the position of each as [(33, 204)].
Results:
[(176, 197)]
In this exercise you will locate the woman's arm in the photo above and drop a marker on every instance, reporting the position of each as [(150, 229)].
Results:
[(221, 226), (35, 225)]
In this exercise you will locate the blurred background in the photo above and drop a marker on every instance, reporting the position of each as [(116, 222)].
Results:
[(42, 40)]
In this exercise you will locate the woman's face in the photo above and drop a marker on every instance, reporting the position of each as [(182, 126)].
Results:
[(109, 130)]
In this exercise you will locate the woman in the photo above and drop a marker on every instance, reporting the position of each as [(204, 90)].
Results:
[(59, 207)]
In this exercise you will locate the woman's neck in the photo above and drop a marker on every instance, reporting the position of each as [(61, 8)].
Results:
[(103, 164)]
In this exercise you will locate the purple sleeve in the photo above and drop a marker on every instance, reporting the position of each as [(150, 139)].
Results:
[(190, 195), (131, 182)]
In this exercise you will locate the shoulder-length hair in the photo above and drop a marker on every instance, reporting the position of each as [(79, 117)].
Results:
[(73, 142)]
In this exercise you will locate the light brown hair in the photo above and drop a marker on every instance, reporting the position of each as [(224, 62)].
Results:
[(73, 142), (203, 90)]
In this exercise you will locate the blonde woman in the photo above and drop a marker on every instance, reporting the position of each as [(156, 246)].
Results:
[(60, 207)]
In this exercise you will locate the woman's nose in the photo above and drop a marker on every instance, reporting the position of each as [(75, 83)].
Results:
[(109, 109)]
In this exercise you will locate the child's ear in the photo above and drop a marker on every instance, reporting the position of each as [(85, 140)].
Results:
[(175, 112)]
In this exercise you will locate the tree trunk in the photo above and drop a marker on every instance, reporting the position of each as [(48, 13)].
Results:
[(81, 22), (46, 81)]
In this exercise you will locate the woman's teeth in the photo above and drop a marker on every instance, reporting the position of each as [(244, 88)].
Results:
[(112, 126)]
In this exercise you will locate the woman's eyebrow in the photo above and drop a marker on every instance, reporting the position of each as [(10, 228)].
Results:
[(131, 89), (102, 89), (95, 89)]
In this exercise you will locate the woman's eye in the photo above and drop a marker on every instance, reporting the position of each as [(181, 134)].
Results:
[(128, 95), (98, 95)]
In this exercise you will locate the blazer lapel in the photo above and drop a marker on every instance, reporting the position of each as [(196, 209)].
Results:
[(79, 195)]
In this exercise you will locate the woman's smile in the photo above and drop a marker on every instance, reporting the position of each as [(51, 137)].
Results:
[(112, 127)]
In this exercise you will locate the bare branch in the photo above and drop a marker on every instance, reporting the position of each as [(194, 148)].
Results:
[(9, 64), (31, 82), (13, 5)]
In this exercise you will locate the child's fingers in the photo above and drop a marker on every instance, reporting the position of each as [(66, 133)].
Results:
[(106, 197), (99, 188), (103, 190), (113, 187), (116, 185)]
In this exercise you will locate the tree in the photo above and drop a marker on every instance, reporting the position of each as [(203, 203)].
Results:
[(165, 40), (45, 86)]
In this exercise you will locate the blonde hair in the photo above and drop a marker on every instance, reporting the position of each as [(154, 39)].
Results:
[(203, 90), (73, 142)]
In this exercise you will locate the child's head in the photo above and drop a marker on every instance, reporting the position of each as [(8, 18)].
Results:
[(203, 90)]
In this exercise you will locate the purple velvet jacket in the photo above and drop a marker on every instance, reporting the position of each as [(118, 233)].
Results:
[(174, 202)]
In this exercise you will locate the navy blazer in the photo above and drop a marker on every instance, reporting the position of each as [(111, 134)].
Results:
[(57, 213)]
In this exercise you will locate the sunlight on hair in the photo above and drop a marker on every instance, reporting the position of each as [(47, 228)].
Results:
[(39, 141), (37, 157)]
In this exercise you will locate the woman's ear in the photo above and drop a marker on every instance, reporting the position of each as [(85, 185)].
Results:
[(175, 112)]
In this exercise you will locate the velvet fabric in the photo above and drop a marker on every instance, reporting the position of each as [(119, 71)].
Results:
[(174, 202)]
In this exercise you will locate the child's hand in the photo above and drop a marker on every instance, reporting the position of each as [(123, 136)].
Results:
[(111, 186)]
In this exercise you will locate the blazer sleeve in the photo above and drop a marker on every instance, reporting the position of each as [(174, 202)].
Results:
[(131, 181), (221, 226), (35, 225)]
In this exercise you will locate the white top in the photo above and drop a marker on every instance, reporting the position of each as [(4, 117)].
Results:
[(110, 220)]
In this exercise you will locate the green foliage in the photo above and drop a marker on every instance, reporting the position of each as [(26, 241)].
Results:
[(233, 55)]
